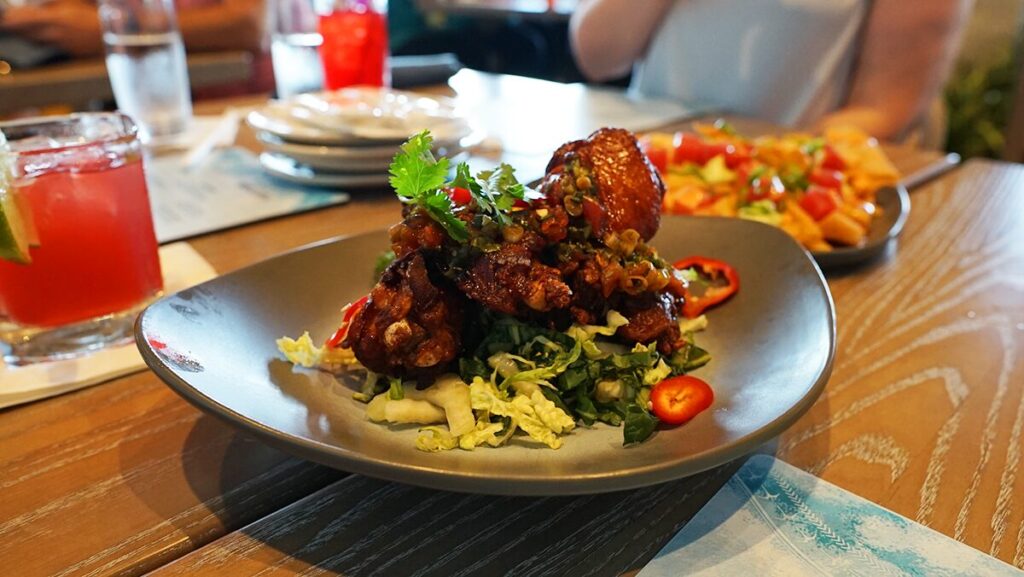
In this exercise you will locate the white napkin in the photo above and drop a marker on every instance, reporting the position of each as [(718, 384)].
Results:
[(182, 266)]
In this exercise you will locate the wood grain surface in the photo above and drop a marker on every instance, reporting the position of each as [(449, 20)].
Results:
[(121, 478), (925, 409), (363, 527), (923, 415)]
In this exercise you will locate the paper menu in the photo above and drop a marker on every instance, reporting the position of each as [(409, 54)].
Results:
[(773, 519), (228, 189)]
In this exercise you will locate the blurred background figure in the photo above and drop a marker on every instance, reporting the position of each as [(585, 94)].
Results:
[(876, 64), (72, 27)]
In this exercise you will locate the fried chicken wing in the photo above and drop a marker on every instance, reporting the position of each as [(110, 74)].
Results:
[(611, 168), (410, 326)]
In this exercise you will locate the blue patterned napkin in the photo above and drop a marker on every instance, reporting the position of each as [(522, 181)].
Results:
[(774, 519)]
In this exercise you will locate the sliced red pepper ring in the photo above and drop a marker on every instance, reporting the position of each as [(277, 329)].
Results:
[(349, 312), (678, 399), (720, 282)]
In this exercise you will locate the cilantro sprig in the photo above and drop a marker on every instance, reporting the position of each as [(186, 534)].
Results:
[(494, 192), (418, 179)]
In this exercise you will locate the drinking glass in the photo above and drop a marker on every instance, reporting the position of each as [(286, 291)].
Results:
[(295, 47), (147, 67), (93, 257), (355, 42)]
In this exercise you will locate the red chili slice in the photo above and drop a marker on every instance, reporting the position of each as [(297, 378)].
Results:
[(676, 400), (722, 282), (350, 311)]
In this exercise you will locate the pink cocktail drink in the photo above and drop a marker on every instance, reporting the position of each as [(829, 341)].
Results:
[(97, 252), (92, 259)]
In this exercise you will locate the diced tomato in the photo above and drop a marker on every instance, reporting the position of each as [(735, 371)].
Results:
[(659, 158), (459, 195), (818, 202), (676, 400), (692, 148), (766, 186), (689, 148), (721, 282), (831, 159), (350, 312), (826, 178), (736, 156)]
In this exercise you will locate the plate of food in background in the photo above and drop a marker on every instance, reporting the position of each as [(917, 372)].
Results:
[(837, 194)]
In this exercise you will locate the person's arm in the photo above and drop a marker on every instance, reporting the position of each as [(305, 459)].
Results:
[(607, 36), (74, 26), (227, 25), (909, 48), (70, 25)]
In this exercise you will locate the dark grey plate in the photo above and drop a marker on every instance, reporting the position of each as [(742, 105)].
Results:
[(772, 348), (895, 205)]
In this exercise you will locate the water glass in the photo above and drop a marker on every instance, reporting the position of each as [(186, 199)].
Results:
[(295, 47), (93, 256), (147, 67), (354, 51)]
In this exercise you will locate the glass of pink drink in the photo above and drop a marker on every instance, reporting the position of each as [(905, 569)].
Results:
[(94, 262)]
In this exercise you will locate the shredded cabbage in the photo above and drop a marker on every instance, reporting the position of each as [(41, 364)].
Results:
[(585, 334), (658, 373), (534, 414), (694, 325), (300, 351)]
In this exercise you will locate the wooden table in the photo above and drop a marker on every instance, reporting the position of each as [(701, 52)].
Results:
[(924, 415), (80, 83)]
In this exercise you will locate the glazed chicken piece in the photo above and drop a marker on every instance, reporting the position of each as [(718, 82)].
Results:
[(652, 317), (410, 326), (627, 187), (511, 280)]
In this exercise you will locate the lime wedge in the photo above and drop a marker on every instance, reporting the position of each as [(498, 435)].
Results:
[(14, 234)]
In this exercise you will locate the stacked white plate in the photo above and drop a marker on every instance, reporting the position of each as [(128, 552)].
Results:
[(348, 137)]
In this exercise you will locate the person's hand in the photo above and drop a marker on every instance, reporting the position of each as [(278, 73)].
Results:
[(71, 25)]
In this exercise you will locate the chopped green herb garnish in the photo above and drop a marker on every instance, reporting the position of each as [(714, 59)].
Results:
[(418, 180), (495, 192)]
